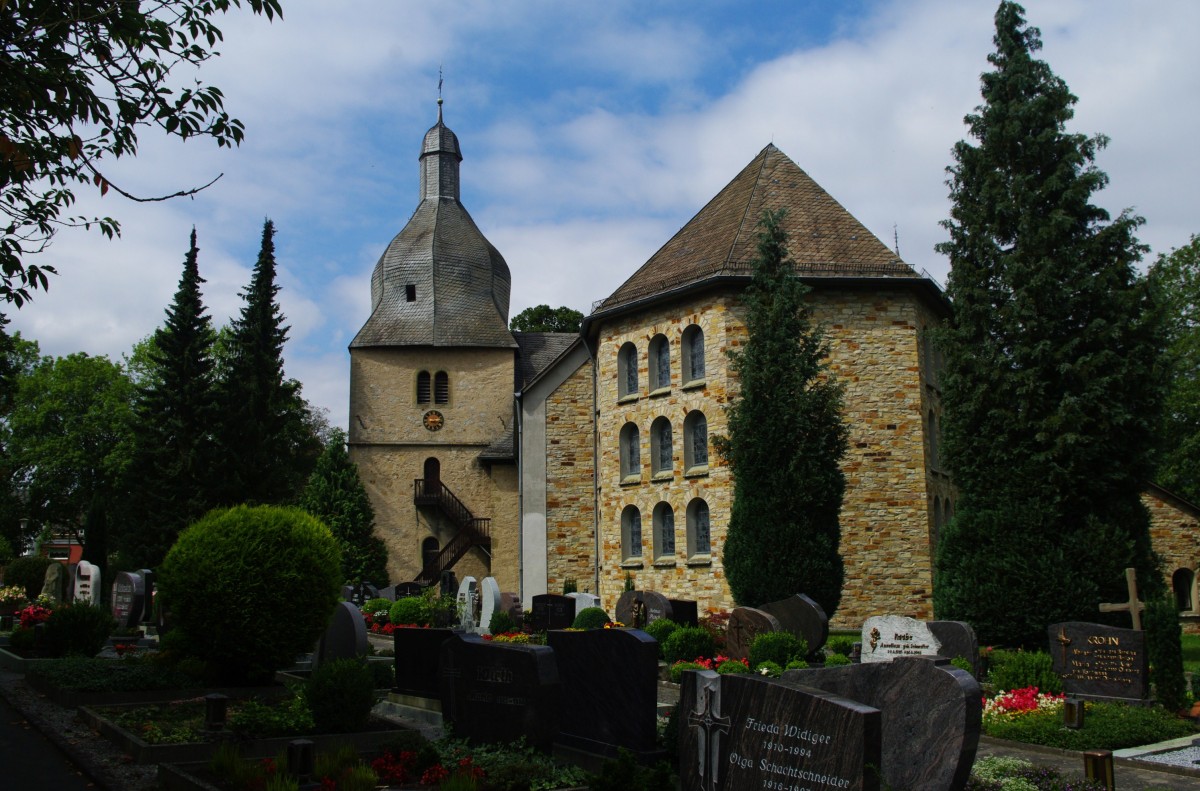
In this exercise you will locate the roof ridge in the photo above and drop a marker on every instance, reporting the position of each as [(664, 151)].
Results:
[(733, 244)]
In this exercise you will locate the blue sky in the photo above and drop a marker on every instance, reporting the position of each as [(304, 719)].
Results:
[(590, 133)]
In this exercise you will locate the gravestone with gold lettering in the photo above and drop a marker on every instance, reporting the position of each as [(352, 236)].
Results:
[(1100, 662)]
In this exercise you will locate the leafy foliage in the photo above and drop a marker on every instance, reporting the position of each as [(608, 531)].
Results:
[(1106, 726), (543, 318), (341, 694), (777, 647), (786, 440), (1165, 651), (29, 572), (1051, 392), (591, 618), (1011, 670), (79, 82), (78, 629), (687, 643)]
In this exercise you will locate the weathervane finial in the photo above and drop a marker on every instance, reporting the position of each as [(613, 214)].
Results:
[(439, 93)]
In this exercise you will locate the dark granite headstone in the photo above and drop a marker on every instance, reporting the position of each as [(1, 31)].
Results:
[(747, 733), (417, 652), (551, 611), (149, 591), (684, 612), (404, 590), (636, 609), (494, 693), (931, 716), (609, 691), (803, 617), (511, 604), (958, 639), (746, 623), (448, 583), (360, 593), (128, 598), (1100, 662), (345, 637)]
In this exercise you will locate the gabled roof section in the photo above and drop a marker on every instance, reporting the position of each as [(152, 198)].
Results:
[(538, 351), (825, 240)]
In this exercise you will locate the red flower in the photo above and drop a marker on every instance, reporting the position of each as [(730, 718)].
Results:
[(434, 775)]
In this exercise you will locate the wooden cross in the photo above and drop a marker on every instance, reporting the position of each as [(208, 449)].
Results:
[(1064, 641), (1133, 606), (710, 724)]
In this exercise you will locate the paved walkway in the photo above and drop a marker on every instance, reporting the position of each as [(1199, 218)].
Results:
[(29, 761)]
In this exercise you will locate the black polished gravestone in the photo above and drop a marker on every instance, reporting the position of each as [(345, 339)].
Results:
[(958, 639), (684, 612), (609, 691), (637, 609), (803, 617), (1100, 662), (128, 599), (417, 652), (931, 716), (747, 733), (345, 636), (551, 611), (496, 693)]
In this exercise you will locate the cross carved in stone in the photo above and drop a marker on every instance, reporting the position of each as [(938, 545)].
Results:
[(1133, 606), (707, 718)]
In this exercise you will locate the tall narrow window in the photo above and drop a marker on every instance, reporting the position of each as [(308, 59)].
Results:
[(692, 352), (695, 442), (627, 371), (660, 363), (423, 387), (698, 533), (631, 533), (441, 388), (410, 292), (1181, 583), (664, 532), (631, 453), (660, 447)]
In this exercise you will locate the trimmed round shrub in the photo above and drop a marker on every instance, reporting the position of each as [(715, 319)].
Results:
[(833, 660), (840, 645), (29, 572), (660, 630), (796, 664), (79, 629), (591, 618), (777, 647), (409, 611), (678, 668), (251, 588), (502, 623), (340, 694), (687, 643), (768, 668), (732, 667)]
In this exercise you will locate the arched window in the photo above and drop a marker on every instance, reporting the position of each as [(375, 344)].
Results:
[(695, 442), (698, 534), (661, 460), (631, 533), (423, 387), (692, 353), (631, 453), (1182, 582), (664, 532), (441, 388), (660, 363), (627, 371)]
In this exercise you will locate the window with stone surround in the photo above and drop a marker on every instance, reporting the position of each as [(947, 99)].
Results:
[(695, 443), (423, 387), (662, 460), (441, 388), (1183, 585), (631, 454), (631, 534), (660, 364), (699, 538), (691, 353), (627, 371), (664, 533)]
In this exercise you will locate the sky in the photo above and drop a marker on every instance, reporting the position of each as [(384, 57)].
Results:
[(591, 132)]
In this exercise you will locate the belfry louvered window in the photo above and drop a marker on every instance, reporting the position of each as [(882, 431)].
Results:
[(423, 387), (441, 388)]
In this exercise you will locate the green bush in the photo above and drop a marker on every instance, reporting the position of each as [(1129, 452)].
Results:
[(1165, 650), (79, 629), (962, 663), (21, 640), (29, 572), (383, 674), (834, 660), (660, 630), (254, 720), (796, 664), (591, 618), (411, 610), (678, 668), (108, 675), (502, 623), (840, 644), (1106, 726), (732, 667), (251, 588), (1020, 669), (340, 694), (768, 668), (373, 606), (688, 643), (778, 647), (6, 552)]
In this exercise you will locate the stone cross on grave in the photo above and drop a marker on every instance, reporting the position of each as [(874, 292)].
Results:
[(710, 724), (1064, 641), (1133, 606)]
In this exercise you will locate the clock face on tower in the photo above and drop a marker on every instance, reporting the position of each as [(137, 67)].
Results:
[(433, 420)]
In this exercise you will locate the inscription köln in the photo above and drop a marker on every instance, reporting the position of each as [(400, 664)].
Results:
[(1100, 661)]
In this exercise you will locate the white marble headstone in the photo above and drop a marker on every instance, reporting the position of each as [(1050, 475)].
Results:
[(87, 583), (885, 637), (584, 600), (489, 597), (468, 596)]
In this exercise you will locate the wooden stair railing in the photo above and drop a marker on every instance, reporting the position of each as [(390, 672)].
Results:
[(473, 531)]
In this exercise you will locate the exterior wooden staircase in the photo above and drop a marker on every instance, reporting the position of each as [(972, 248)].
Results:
[(473, 531)]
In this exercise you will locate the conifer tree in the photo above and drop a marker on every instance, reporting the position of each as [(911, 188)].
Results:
[(1050, 389), (267, 446), (173, 479), (786, 439), (336, 496)]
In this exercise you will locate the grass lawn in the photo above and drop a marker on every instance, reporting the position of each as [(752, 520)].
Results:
[(1191, 653)]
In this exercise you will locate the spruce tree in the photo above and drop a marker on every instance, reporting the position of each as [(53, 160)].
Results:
[(336, 496), (786, 439), (173, 478), (1050, 389)]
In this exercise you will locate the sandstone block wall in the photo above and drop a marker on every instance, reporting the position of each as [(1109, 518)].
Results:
[(570, 501), (1175, 534)]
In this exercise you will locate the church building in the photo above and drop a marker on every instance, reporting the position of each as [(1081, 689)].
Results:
[(550, 458)]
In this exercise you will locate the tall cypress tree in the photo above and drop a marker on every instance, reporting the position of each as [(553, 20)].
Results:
[(1050, 389), (786, 440), (173, 479)]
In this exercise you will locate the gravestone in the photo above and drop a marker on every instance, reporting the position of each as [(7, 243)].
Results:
[(468, 604), (931, 716), (417, 652), (684, 612), (55, 583), (1100, 662), (128, 599), (87, 583), (746, 623), (958, 639), (747, 733), (345, 637), (495, 693), (149, 592), (360, 593), (448, 583), (609, 695), (636, 609), (489, 603), (584, 600), (551, 611), (803, 617), (886, 637), (511, 604)]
